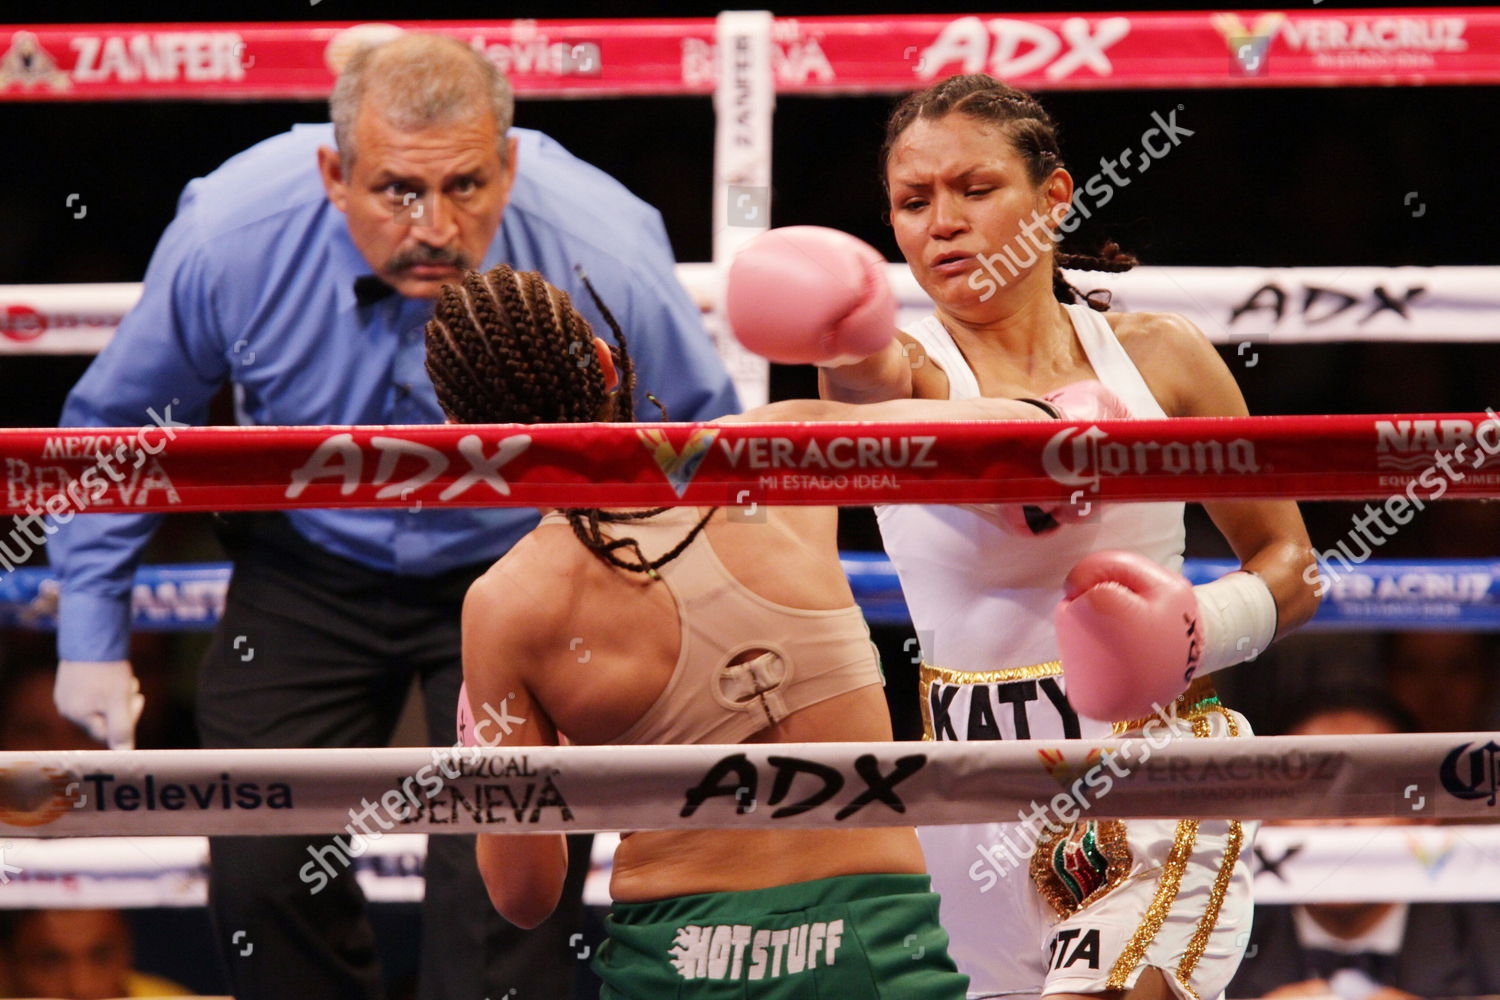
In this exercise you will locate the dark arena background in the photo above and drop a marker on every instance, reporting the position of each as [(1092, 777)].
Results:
[(1330, 176)]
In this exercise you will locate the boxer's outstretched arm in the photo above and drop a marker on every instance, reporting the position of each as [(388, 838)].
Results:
[(1087, 400)]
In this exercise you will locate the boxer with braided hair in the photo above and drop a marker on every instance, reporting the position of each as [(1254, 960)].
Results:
[(507, 347)]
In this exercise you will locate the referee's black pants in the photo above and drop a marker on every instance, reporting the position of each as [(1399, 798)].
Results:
[(317, 651)]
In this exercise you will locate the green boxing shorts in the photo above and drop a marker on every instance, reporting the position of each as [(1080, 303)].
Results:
[(845, 938)]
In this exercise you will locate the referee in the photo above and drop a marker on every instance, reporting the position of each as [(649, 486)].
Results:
[(302, 271)]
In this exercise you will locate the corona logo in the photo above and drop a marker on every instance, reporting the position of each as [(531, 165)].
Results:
[(1472, 774), (1081, 457)]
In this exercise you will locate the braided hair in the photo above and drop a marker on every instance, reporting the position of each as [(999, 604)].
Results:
[(508, 347), (1031, 131)]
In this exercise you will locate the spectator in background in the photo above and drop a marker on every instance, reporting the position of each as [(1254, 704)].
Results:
[(70, 954), (1447, 680), (73, 955), (1379, 950)]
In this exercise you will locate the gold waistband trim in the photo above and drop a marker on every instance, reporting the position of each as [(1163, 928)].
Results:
[(931, 672)]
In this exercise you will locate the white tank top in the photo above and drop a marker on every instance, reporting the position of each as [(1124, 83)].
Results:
[(982, 598)]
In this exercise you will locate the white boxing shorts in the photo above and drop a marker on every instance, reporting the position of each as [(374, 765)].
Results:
[(1088, 905)]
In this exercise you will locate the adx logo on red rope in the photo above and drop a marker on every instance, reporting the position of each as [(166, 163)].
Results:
[(341, 457)]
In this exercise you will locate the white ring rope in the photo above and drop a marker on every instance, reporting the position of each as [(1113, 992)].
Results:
[(1231, 305), (1163, 772)]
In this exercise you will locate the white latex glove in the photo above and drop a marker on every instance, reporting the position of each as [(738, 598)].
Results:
[(104, 698)]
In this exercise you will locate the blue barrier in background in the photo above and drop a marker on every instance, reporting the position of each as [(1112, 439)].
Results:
[(1391, 594)]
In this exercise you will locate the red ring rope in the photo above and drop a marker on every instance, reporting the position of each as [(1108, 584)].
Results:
[(1427, 456)]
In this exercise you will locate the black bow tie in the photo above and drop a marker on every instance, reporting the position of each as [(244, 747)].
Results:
[(369, 290)]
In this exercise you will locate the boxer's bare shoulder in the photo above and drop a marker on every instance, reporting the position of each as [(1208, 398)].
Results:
[(1178, 362)]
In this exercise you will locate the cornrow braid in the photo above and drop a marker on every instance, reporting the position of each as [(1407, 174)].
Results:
[(508, 347), (626, 366), (586, 527), (1031, 131)]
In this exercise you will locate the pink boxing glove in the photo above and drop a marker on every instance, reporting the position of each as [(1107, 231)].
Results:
[(810, 295), (465, 721), (1087, 400), (1128, 634)]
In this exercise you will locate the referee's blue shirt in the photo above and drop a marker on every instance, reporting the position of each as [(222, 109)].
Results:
[(254, 282)]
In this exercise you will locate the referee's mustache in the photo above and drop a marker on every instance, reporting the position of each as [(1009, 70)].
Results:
[(423, 255)]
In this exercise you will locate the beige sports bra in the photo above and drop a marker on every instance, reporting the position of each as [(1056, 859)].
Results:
[(805, 657)]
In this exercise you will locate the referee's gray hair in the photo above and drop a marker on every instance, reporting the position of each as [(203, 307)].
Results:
[(420, 80)]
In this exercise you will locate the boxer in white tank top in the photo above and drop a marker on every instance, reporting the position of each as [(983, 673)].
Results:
[(981, 600), (980, 595), (978, 198)]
